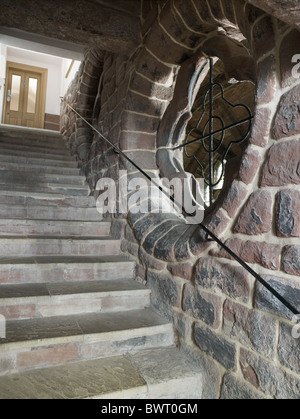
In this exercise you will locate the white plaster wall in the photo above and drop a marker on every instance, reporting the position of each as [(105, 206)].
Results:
[(57, 67)]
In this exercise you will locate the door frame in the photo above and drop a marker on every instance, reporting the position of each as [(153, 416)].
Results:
[(42, 102)]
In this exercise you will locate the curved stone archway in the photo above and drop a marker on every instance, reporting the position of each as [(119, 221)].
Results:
[(172, 56)]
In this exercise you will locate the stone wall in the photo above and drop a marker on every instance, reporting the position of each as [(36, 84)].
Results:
[(226, 321)]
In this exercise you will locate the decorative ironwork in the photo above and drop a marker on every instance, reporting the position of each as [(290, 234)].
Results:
[(210, 137)]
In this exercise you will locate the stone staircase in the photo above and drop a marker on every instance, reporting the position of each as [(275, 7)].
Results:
[(78, 325)]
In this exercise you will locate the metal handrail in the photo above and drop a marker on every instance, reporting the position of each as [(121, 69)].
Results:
[(209, 233)]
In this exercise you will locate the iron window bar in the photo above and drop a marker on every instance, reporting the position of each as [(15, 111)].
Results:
[(209, 233), (211, 149)]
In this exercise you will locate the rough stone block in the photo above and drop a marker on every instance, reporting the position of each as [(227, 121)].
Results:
[(156, 234), (268, 378), (287, 213), (234, 199), (289, 347), (250, 328), (282, 165), (181, 248), (287, 120), (289, 289), (202, 305), (216, 346), (164, 248), (231, 280), (166, 292), (235, 389), (291, 260), (265, 254), (260, 133), (181, 270), (256, 217), (250, 165), (150, 262)]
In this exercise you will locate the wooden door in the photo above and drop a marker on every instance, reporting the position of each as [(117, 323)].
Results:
[(25, 96)]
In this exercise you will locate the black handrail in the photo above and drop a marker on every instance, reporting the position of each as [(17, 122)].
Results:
[(286, 303)]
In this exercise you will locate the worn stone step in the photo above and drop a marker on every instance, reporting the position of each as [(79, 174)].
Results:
[(44, 188), (150, 374), (55, 143), (39, 169), (50, 341), (49, 213), (54, 227), (18, 176), (14, 198), (51, 269), (36, 160), (62, 157), (11, 133), (28, 301), (31, 147), (12, 246)]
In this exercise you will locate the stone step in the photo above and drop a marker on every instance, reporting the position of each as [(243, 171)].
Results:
[(40, 269), (45, 188), (19, 176), (14, 198), (36, 169), (55, 143), (21, 159), (149, 374), (14, 246), (12, 133), (36, 154), (49, 213), (36, 343), (54, 227), (29, 301), (31, 147)]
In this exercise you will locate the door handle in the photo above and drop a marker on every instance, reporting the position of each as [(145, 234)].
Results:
[(8, 96)]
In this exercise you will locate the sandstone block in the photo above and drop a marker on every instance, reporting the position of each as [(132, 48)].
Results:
[(229, 279), (249, 327), (216, 346), (287, 120), (287, 213), (256, 217), (282, 165), (291, 260), (202, 305)]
